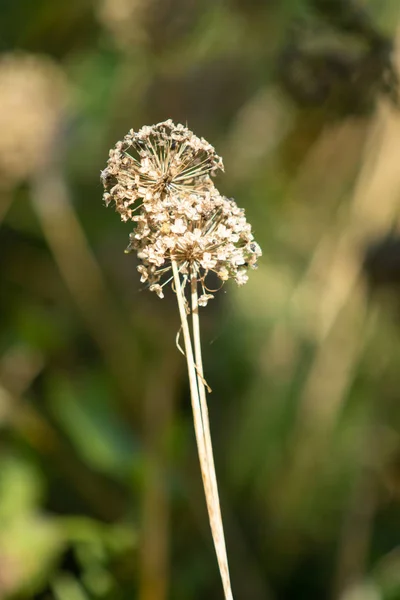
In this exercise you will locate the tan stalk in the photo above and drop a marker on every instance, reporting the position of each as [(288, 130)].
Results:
[(205, 467), (223, 557)]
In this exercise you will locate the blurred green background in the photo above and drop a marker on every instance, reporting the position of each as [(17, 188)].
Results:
[(100, 488)]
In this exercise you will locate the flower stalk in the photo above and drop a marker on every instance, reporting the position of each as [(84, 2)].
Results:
[(160, 178), (202, 427), (216, 523)]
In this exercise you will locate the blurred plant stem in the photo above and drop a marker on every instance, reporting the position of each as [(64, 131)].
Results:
[(6, 199), (355, 538), (84, 278), (341, 323), (373, 211), (202, 431), (158, 409)]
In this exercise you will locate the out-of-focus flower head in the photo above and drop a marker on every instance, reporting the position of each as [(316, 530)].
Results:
[(125, 20), (160, 178), (148, 23), (33, 92)]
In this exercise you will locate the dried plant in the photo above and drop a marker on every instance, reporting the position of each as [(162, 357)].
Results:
[(161, 179)]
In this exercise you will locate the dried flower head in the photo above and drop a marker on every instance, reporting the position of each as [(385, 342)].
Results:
[(155, 162), (160, 178)]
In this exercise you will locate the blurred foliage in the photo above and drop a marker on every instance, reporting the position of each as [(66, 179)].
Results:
[(100, 490)]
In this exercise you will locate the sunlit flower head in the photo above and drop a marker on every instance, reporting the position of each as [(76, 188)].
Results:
[(157, 161), (180, 216)]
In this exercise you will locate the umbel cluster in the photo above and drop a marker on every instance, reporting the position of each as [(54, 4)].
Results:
[(160, 177)]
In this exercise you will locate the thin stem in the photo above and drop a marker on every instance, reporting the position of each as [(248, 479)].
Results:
[(222, 557), (212, 506)]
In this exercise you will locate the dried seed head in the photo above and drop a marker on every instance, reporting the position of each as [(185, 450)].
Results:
[(155, 162), (166, 189)]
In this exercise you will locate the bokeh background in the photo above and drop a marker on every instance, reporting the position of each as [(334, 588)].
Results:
[(100, 489)]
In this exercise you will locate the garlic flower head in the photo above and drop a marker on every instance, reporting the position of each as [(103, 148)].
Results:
[(155, 162), (160, 178)]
